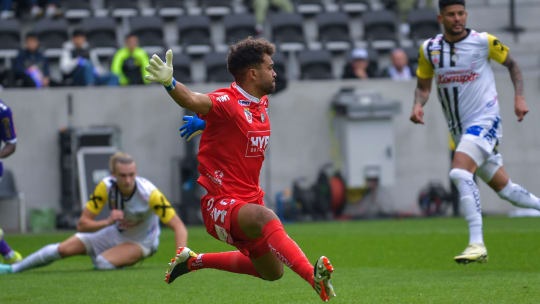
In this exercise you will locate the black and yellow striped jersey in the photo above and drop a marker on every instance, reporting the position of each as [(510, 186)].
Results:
[(465, 81)]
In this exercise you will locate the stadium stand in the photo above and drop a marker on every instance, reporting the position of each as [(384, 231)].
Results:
[(238, 27), (10, 37), (182, 68), (75, 10), (309, 7), (169, 8), (315, 64), (100, 31), (216, 8), (354, 6), (52, 33), (194, 34), (423, 23), (287, 31), (122, 8), (334, 31), (216, 67), (380, 29), (149, 29)]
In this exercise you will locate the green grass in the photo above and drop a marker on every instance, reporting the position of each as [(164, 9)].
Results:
[(387, 261)]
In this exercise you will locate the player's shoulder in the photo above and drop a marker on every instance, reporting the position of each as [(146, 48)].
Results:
[(3, 107), (144, 187), (108, 182), (432, 42), (223, 95)]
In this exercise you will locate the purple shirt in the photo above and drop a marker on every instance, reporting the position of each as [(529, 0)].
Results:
[(7, 128)]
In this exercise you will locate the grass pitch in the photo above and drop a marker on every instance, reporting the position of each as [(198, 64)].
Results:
[(387, 261)]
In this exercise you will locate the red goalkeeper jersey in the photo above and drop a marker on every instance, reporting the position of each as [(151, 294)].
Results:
[(231, 151)]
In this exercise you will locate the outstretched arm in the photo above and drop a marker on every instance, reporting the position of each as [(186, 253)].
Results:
[(421, 96), (161, 72), (180, 231), (520, 106)]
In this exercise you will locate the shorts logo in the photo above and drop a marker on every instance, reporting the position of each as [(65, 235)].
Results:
[(244, 103), (223, 98), (257, 143), (249, 116)]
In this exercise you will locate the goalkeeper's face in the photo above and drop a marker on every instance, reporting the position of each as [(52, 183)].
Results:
[(125, 177), (267, 76)]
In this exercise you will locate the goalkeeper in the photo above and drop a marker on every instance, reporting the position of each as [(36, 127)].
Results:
[(129, 234), (231, 153)]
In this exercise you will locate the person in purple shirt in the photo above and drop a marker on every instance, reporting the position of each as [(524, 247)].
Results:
[(9, 143)]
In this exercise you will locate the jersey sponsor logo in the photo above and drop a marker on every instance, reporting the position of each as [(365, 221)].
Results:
[(257, 143), (452, 77), (249, 116), (244, 103), (217, 178), (223, 98)]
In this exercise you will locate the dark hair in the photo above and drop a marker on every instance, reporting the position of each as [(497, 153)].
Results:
[(78, 32), (445, 3), (131, 34), (31, 35), (247, 53)]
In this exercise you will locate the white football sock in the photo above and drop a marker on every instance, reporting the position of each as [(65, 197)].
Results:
[(102, 263), (519, 196), (39, 258), (469, 197)]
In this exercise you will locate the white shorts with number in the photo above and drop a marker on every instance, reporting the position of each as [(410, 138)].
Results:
[(480, 142), (109, 237)]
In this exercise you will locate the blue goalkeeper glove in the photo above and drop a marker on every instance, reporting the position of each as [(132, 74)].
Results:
[(192, 127)]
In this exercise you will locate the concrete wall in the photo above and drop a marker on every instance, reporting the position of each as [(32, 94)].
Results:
[(300, 142)]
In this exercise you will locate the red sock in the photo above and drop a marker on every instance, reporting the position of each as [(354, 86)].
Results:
[(287, 250), (232, 261)]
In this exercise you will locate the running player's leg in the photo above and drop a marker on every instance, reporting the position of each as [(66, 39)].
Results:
[(461, 174), (10, 256), (493, 173), (50, 253)]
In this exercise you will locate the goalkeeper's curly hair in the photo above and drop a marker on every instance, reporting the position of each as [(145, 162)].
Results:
[(246, 54)]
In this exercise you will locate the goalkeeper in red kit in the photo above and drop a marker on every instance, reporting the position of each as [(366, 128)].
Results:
[(231, 153)]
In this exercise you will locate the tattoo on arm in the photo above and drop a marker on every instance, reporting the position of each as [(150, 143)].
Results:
[(421, 93), (420, 97), (515, 74)]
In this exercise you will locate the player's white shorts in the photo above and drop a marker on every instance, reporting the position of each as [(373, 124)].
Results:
[(109, 237), (480, 143)]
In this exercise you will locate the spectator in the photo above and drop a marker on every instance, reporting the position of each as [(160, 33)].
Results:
[(81, 65), (358, 67), (31, 68), (260, 7), (129, 62), (399, 69), (36, 8)]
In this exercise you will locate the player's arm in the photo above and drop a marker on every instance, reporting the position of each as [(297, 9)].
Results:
[(98, 199), (162, 208), (87, 222), (424, 75), (180, 231), (182, 95), (421, 96), (501, 54), (8, 149), (520, 106)]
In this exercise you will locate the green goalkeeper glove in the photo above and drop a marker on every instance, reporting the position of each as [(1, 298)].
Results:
[(161, 72)]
